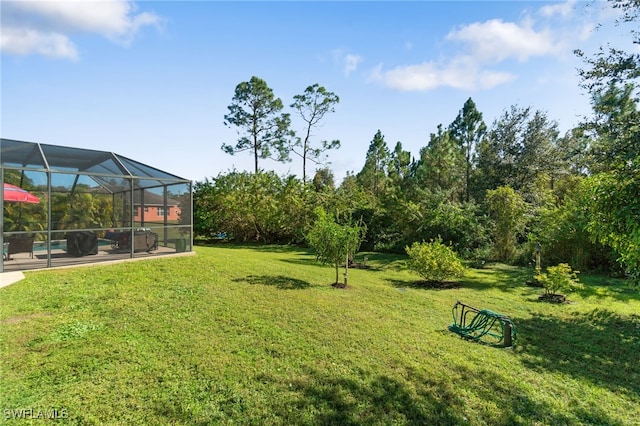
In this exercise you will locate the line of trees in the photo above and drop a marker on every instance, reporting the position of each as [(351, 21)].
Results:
[(490, 191), (265, 130)]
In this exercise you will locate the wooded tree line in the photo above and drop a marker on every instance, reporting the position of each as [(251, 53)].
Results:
[(492, 191)]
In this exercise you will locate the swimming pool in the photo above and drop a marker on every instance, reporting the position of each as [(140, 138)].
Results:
[(62, 245)]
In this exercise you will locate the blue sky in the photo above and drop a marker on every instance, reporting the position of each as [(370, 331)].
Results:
[(152, 80)]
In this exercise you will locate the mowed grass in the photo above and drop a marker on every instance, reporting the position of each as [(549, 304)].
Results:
[(257, 335)]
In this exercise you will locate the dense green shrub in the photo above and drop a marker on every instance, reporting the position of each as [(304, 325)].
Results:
[(507, 210), (434, 261), (558, 278), (260, 207)]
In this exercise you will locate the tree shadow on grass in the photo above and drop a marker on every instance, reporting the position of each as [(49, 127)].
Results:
[(312, 261), (600, 346), (497, 276), (425, 285), (501, 277), (422, 399), (509, 278), (331, 399), (379, 261), (517, 407), (302, 260), (280, 281), (366, 260), (597, 286)]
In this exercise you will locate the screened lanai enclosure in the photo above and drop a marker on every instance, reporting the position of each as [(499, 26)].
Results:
[(65, 206)]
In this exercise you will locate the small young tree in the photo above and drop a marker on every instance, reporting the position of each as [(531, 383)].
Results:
[(558, 278), (334, 243), (434, 261)]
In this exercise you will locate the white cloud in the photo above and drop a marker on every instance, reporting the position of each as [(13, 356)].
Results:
[(348, 62), (563, 10), (351, 63), (478, 54), (461, 73), (490, 79), (46, 27), (496, 40), (23, 41)]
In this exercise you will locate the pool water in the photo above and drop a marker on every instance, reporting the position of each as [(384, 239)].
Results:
[(62, 245)]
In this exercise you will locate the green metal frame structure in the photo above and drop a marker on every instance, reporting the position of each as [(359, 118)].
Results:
[(83, 190), (482, 325)]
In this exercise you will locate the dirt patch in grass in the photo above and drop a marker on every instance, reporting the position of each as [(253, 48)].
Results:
[(20, 318), (437, 285), (553, 298)]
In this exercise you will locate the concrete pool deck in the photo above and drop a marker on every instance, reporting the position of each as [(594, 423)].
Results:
[(8, 278), (23, 263)]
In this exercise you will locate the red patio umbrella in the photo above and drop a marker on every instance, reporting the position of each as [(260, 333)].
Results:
[(17, 194)]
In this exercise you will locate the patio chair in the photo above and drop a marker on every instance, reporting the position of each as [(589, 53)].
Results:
[(143, 241), (19, 245)]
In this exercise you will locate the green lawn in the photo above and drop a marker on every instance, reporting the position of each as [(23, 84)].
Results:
[(256, 335)]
